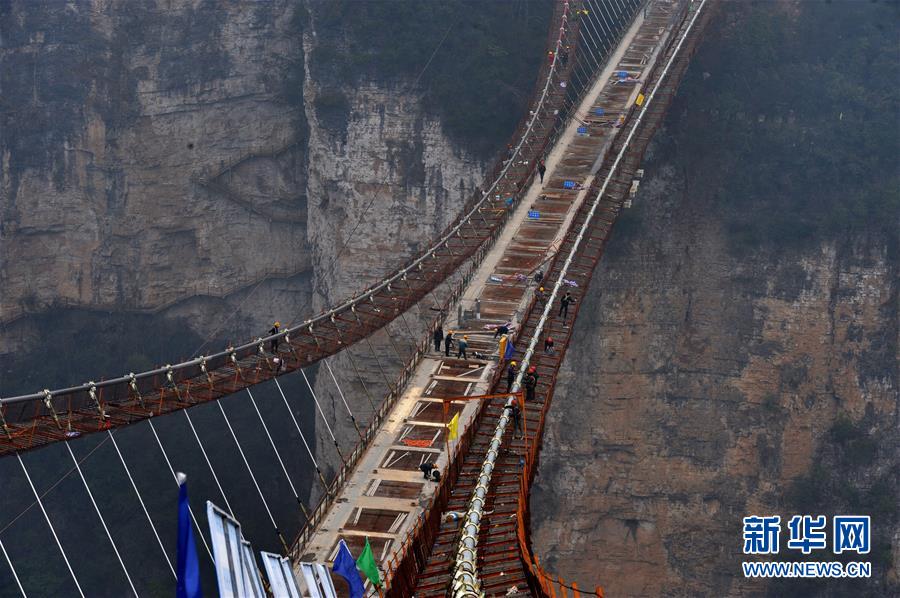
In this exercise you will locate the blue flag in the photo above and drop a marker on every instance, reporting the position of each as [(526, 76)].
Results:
[(345, 566), (510, 350), (188, 585)]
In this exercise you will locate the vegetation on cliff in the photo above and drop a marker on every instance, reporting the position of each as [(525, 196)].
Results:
[(797, 114), (474, 62)]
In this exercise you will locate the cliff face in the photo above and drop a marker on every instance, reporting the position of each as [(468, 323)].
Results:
[(188, 161), (711, 378), (129, 133), (697, 389)]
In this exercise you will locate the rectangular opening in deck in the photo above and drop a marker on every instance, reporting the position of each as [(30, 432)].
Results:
[(376, 520), (407, 459), (393, 489)]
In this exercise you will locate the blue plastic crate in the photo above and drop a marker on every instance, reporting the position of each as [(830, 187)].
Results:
[(534, 214), (569, 185)]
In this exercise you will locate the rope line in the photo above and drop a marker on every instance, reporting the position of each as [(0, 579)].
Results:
[(175, 477), (252, 477), (278, 455), (324, 419), (143, 506), (50, 489), (361, 381), (102, 520), (302, 437), (208, 463), (344, 399), (13, 569), (50, 524)]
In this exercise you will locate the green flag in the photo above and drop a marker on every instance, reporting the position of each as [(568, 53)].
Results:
[(366, 564)]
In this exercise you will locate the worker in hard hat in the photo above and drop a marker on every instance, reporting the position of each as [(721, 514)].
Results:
[(539, 296), (511, 372), (501, 329), (274, 343), (548, 346), (461, 348), (448, 343), (530, 384)]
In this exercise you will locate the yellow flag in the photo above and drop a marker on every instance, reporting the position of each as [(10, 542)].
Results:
[(453, 426), (640, 99)]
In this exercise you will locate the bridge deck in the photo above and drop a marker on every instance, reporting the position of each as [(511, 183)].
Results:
[(387, 478), (387, 494), (500, 567)]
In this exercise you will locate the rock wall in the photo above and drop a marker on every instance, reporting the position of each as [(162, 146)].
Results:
[(714, 373), (697, 388), (160, 158), (128, 129)]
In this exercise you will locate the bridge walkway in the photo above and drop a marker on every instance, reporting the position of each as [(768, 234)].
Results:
[(386, 495), (500, 567)]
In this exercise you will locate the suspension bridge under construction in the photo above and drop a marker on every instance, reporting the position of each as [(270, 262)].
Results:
[(518, 248)]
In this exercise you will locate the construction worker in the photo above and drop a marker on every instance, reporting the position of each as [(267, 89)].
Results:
[(436, 475), (542, 168), (426, 468), (530, 385), (539, 277), (511, 372), (548, 346), (438, 337), (448, 343), (461, 348), (539, 296), (564, 305), (516, 414), (274, 343), (501, 329)]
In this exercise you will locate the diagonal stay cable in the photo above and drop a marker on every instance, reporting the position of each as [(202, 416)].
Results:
[(143, 506), (252, 476), (13, 569), (303, 438), (341, 393), (102, 520), (278, 455), (43, 494), (50, 524), (175, 477)]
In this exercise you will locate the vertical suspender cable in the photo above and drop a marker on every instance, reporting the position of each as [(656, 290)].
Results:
[(340, 392), (175, 477), (278, 455), (13, 569), (143, 506), (208, 463), (102, 520), (324, 419), (252, 477), (50, 523), (303, 438)]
